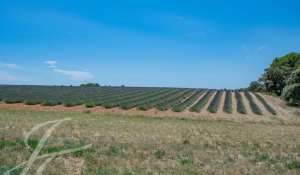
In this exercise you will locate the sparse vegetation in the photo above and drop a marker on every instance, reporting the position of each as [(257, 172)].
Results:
[(222, 146)]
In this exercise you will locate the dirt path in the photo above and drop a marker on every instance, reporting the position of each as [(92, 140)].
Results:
[(221, 106), (234, 104)]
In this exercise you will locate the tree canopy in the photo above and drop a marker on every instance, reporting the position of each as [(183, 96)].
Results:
[(276, 76), (282, 77)]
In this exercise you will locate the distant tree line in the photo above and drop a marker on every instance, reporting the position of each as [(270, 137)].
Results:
[(282, 78), (90, 85)]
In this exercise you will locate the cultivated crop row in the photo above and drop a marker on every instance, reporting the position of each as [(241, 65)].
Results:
[(228, 103), (168, 103), (177, 99), (202, 102), (188, 102), (240, 103), (266, 105), (255, 109), (215, 103)]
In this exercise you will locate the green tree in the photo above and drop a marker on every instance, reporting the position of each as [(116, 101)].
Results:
[(255, 86), (294, 77), (291, 94), (276, 76)]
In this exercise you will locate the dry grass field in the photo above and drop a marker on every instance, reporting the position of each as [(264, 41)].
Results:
[(128, 145)]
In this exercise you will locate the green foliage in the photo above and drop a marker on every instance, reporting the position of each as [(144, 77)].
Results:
[(90, 105), (90, 85), (160, 153), (50, 103), (12, 101), (294, 78), (31, 102), (255, 86), (276, 76), (114, 151), (291, 94)]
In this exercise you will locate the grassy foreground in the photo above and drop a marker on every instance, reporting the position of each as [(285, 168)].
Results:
[(141, 145)]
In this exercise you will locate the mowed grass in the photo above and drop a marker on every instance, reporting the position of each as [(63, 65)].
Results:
[(143, 145)]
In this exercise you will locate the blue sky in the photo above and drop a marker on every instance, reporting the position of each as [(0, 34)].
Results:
[(206, 44)]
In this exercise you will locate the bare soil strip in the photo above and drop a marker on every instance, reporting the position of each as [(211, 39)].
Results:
[(234, 103), (222, 102)]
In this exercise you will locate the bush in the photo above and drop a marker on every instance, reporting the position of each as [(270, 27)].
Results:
[(12, 101), (255, 86), (30, 102), (294, 78), (291, 94), (50, 103), (90, 105)]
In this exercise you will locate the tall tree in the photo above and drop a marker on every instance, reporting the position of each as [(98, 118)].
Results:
[(276, 76)]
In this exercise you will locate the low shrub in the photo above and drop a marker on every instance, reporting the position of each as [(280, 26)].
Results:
[(291, 94), (50, 103), (90, 105), (12, 101), (30, 102)]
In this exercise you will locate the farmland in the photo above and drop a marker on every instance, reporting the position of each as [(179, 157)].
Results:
[(140, 98), (135, 145), (150, 130)]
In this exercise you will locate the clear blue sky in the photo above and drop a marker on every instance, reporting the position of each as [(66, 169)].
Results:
[(207, 44)]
